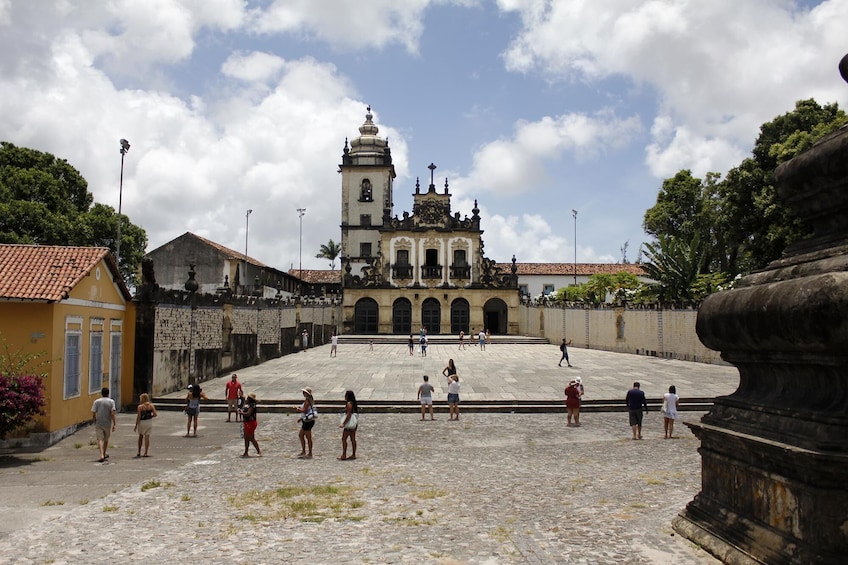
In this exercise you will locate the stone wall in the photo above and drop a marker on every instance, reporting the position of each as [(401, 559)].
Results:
[(193, 340), (668, 333)]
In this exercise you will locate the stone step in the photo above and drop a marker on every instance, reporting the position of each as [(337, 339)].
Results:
[(387, 406)]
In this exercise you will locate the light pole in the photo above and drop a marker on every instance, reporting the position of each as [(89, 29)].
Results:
[(125, 147), (574, 214), (300, 211), (246, 230)]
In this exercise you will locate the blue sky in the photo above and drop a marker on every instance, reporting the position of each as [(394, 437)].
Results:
[(531, 107)]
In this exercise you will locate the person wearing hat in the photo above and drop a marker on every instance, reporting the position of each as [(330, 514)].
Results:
[(572, 403), (249, 414), (308, 414)]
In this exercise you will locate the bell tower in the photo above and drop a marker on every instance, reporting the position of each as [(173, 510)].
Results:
[(367, 177)]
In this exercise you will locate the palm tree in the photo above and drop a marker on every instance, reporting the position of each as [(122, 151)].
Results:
[(674, 265), (331, 250)]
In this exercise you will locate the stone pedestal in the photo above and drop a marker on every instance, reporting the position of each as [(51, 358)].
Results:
[(775, 452)]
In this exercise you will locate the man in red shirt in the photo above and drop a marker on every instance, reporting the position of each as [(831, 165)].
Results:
[(232, 390)]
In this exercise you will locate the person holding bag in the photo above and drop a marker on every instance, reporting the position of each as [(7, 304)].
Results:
[(308, 415), (144, 423), (349, 423)]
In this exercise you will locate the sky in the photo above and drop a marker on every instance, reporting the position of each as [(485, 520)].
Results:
[(533, 108)]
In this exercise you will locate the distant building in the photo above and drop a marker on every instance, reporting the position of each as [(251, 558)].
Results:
[(422, 269), (219, 269), (536, 279), (71, 305)]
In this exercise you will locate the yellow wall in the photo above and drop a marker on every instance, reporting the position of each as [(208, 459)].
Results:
[(35, 327)]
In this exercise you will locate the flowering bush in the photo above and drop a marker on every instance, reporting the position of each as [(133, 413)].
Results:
[(21, 399)]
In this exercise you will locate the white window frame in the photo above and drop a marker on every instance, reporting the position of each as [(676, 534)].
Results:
[(95, 355), (73, 360)]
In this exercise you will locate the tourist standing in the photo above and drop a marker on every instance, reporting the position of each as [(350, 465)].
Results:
[(250, 423), (481, 339), (304, 339), (636, 402), (572, 404), (450, 369), (461, 339), (239, 405), (334, 345), (453, 396), (192, 409), (564, 348), (308, 414), (144, 423), (671, 403), (103, 414), (231, 392), (425, 397), (423, 340), (411, 345), (349, 423)]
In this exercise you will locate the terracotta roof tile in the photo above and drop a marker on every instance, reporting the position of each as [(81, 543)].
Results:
[(318, 276), (231, 253), (583, 269), (47, 272)]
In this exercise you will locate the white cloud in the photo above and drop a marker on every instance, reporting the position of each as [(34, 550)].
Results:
[(722, 67), (345, 24), (198, 165), (516, 165), (253, 67)]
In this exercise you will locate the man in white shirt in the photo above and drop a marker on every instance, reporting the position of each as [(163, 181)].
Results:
[(103, 413)]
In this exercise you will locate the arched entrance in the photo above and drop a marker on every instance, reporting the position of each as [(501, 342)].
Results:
[(431, 316), (495, 316), (459, 316), (365, 316), (402, 316)]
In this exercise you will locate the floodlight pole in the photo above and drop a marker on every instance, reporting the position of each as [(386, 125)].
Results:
[(574, 214), (300, 211), (125, 147), (246, 231)]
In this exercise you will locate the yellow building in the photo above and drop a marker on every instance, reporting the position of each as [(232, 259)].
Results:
[(71, 306), (424, 269)]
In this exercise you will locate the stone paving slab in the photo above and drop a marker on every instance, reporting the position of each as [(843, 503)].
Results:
[(501, 372), (491, 488)]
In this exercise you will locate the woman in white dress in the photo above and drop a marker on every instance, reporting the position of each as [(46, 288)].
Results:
[(669, 410)]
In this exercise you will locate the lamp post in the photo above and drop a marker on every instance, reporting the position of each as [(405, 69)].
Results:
[(125, 147), (574, 214), (300, 211), (246, 231)]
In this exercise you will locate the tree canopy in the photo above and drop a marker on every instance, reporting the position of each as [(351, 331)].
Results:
[(739, 222), (45, 201)]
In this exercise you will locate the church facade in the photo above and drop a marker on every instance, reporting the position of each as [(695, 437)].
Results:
[(420, 269)]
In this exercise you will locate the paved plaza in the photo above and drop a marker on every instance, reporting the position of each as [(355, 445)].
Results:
[(491, 488)]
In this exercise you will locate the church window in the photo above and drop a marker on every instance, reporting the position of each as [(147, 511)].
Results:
[(365, 220), (366, 194), (365, 250)]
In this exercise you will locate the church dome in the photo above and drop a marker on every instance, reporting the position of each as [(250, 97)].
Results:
[(368, 144)]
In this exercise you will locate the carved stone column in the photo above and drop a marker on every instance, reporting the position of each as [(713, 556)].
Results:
[(774, 485)]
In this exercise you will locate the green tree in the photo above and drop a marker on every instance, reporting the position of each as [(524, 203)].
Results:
[(739, 220), (331, 250), (45, 200), (674, 266)]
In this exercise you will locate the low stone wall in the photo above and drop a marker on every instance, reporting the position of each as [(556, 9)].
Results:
[(183, 339), (667, 333)]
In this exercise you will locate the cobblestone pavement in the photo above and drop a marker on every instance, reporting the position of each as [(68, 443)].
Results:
[(491, 488)]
